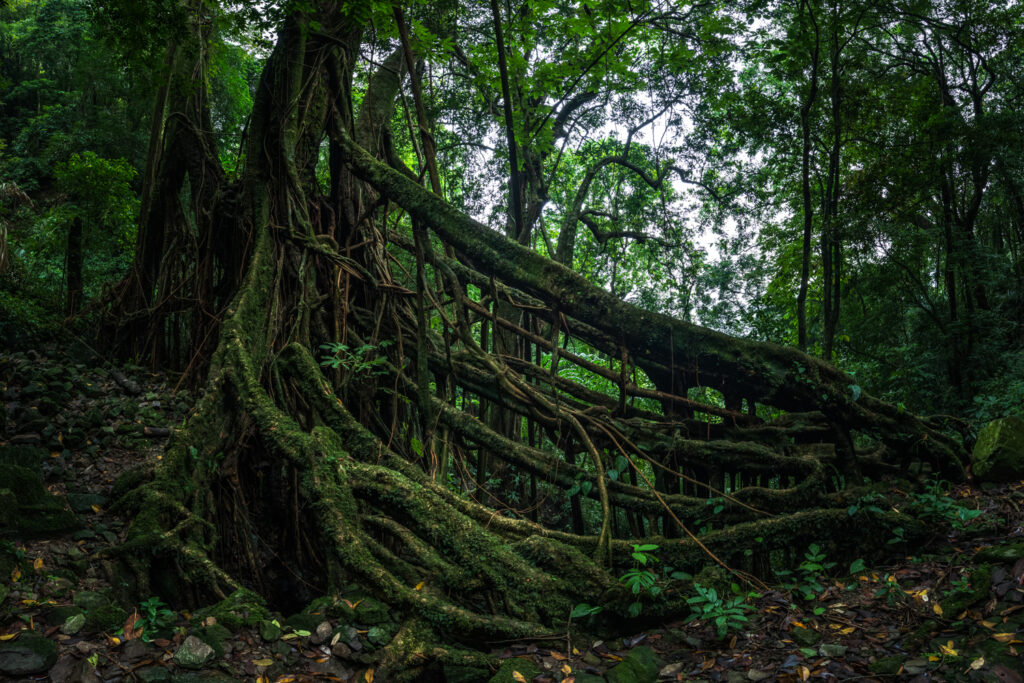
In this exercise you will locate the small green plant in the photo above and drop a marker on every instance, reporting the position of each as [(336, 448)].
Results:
[(366, 360), (935, 505), (154, 615), (726, 615), (891, 590), (584, 610), (640, 579), (807, 579)]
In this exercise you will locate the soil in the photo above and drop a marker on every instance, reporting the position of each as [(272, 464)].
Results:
[(952, 610)]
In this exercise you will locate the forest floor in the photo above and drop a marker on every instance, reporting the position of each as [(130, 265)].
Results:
[(952, 610)]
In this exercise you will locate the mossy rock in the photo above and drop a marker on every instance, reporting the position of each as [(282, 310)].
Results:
[(104, 618), (48, 519), (805, 637), (371, 612), (641, 665), (999, 452), (56, 616), (509, 667), (1002, 553), (241, 608), (214, 635), (887, 666), (27, 485), (980, 586), (29, 653), (303, 622), (88, 600)]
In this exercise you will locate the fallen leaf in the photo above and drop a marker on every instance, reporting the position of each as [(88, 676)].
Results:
[(1002, 637), (804, 672), (948, 649), (263, 662), (96, 508), (10, 636), (15, 575), (937, 608), (419, 586), (38, 564), (132, 627), (519, 677), (566, 669), (978, 663), (368, 676), (559, 656)]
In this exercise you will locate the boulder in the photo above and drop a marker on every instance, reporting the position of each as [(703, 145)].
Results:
[(194, 654), (641, 665), (999, 452), (29, 653)]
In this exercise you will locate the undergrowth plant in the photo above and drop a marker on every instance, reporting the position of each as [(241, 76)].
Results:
[(640, 579), (727, 614)]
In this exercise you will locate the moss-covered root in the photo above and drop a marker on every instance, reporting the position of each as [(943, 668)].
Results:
[(416, 646)]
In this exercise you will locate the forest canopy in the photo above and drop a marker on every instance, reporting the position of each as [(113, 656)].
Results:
[(487, 296)]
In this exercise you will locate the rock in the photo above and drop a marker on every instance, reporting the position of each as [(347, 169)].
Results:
[(832, 650), (216, 636), (342, 650), (82, 502), (104, 618), (640, 666), (135, 651), (999, 452), (758, 675), (71, 669), (194, 654), (73, 624), (372, 612), (269, 631), (303, 622), (321, 634), (153, 674), (29, 653), (1004, 552), (805, 637), (509, 667)]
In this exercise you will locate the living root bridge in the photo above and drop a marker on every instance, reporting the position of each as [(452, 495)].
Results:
[(299, 480)]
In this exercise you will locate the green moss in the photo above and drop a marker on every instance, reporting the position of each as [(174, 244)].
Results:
[(1002, 553), (506, 674), (27, 485), (887, 666), (980, 586), (641, 665), (104, 618), (241, 608), (999, 452)]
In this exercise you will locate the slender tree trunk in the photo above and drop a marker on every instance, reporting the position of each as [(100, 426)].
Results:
[(805, 175)]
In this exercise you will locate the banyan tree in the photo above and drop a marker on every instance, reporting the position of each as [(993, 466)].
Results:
[(385, 395)]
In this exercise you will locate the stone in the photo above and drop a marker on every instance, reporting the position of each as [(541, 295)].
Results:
[(73, 624), (29, 653), (372, 612), (241, 608), (153, 674), (303, 622), (506, 674), (805, 637), (832, 650), (641, 665), (194, 654), (82, 502), (71, 669), (1004, 552), (998, 454), (135, 651), (321, 634), (104, 618), (269, 631), (342, 650)]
